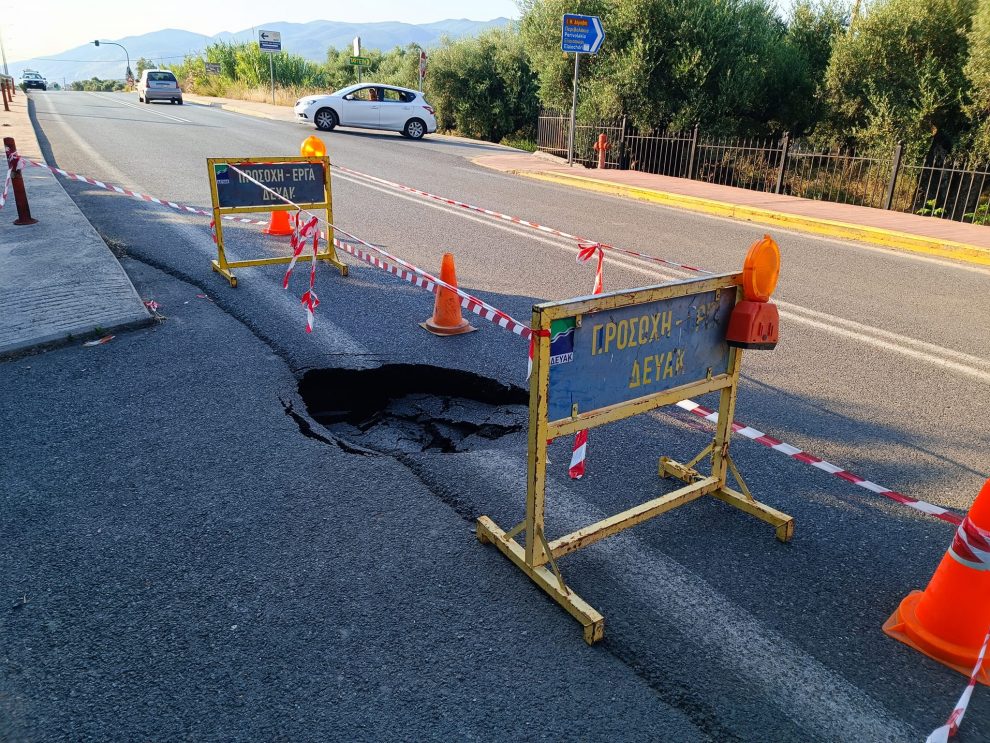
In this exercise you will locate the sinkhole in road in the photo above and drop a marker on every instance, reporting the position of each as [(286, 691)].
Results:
[(411, 408)]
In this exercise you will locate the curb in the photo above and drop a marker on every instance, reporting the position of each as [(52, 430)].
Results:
[(844, 230), (118, 320), (234, 108)]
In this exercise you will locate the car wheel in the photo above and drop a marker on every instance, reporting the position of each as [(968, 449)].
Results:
[(325, 119), (140, 99), (179, 101), (415, 129), (147, 99)]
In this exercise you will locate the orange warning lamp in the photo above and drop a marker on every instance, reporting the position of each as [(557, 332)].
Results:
[(313, 146), (754, 322)]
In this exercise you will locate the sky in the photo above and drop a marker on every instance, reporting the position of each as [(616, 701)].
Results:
[(36, 28)]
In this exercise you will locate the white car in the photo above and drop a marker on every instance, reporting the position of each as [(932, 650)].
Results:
[(32, 79), (370, 106), (159, 85)]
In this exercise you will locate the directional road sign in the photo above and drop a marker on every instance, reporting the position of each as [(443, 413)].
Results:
[(270, 41), (581, 33), (361, 61)]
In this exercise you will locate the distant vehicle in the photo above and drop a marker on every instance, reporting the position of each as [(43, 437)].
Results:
[(32, 79), (370, 106), (159, 85)]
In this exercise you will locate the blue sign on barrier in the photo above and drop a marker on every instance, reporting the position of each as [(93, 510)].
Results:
[(299, 182), (620, 355), (581, 33)]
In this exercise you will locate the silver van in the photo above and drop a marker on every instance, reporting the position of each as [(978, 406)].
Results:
[(159, 85)]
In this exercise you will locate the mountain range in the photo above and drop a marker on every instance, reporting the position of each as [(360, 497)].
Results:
[(310, 40)]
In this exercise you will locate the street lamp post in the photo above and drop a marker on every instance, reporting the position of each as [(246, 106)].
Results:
[(129, 75)]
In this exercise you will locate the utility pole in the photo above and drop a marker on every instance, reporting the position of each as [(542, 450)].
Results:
[(570, 130), (3, 55), (128, 74)]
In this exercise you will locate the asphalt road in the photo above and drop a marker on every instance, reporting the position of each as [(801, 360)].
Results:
[(883, 368)]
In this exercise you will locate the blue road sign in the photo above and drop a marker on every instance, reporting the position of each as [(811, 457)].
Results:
[(270, 41), (303, 183), (619, 355), (581, 33)]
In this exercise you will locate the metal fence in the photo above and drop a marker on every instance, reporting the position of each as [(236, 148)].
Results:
[(552, 130), (938, 187)]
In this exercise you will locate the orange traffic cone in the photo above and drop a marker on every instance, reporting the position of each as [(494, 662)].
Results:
[(949, 620), (447, 319), (279, 224)]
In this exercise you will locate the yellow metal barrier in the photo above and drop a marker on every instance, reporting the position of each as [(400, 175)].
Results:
[(303, 180), (605, 358)]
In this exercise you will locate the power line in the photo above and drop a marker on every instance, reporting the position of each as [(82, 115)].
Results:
[(153, 56)]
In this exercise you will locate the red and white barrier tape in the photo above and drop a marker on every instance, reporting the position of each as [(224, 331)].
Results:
[(951, 726), (589, 248), (300, 236), (421, 278), (580, 451), (971, 545), (515, 220), (794, 453), (6, 187), (136, 195)]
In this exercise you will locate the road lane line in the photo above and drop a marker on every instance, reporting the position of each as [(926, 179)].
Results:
[(844, 244), (146, 107), (106, 166), (964, 364)]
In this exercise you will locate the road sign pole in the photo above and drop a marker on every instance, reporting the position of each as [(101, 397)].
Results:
[(570, 133), (271, 70)]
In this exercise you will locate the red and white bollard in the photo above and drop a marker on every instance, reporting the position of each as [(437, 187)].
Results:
[(17, 183)]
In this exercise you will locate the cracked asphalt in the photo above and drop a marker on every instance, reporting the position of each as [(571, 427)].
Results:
[(189, 553)]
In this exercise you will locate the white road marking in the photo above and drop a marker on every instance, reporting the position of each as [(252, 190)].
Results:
[(946, 358), (145, 107), (850, 245)]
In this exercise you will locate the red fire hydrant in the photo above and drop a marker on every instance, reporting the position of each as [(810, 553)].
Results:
[(600, 148)]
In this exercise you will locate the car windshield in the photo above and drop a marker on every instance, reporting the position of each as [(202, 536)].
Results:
[(161, 77)]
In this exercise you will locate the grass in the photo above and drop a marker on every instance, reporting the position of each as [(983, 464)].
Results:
[(520, 142), (284, 96)]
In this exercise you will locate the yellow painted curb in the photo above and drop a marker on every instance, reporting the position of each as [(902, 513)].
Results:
[(844, 230)]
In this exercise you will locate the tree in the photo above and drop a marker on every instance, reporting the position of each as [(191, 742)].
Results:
[(898, 74), (978, 74), (812, 31), (728, 65), (483, 86), (144, 64)]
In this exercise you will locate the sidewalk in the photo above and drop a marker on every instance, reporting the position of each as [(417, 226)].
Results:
[(249, 108), (58, 279), (966, 242)]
